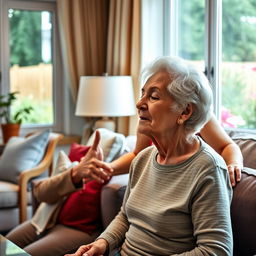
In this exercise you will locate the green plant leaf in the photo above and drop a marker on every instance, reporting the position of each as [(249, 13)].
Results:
[(6, 102)]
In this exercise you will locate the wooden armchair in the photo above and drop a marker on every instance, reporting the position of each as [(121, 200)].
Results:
[(14, 213), (25, 176)]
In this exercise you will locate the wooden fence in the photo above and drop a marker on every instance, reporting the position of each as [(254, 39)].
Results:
[(33, 82)]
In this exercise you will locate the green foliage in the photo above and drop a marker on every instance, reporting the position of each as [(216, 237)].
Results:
[(249, 111), (191, 29), (25, 38), (6, 102), (237, 30), (232, 91), (238, 45), (234, 98), (42, 111)]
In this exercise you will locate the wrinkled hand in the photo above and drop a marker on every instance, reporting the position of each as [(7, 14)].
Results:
[(97, 248), (91, 166), (234, 171)]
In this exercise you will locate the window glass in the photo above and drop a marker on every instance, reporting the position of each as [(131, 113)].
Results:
[(191, 31), (31, 69), (238, 70)]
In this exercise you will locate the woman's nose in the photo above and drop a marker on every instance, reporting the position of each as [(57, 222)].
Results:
[(140, 103)]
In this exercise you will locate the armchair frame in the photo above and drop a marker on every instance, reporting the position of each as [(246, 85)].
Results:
[(25, 176)]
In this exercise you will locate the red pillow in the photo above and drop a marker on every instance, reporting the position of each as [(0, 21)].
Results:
[(77, 151), (81, 210)]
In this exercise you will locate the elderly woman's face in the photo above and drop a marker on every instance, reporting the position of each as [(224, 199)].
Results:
[(154, 107)]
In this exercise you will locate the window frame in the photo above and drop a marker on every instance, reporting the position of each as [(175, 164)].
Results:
[(57, 93), (213, 30), (213, 46)]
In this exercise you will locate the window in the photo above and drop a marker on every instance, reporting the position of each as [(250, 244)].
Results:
[(30, 59), (238, 57), (188, 31), (220, 38)]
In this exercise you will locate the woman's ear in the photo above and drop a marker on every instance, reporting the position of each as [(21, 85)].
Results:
[(185, 115)]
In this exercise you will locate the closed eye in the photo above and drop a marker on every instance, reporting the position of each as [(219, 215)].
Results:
[(154, 98)]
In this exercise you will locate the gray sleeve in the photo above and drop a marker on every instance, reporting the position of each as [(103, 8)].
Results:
[(114, 234), (211, 220)]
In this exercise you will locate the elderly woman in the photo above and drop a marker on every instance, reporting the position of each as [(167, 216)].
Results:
[(178, 198)]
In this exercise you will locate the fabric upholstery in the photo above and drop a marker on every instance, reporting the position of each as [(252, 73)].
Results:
[(247, 144), (243, 208), (112, 198), (113, 144), (21, 154), (9, 195), (243, 213)]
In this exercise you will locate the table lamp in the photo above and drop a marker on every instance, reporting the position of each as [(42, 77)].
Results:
[(105, 96)]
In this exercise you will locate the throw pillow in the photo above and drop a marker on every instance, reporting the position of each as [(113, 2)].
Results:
[(85, 203), (21, 154), (113, 144), (77, 151)]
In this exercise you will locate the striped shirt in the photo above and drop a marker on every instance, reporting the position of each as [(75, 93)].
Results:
[(181, 209)]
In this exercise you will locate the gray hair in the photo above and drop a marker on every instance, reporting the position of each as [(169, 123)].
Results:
[(188, 85)]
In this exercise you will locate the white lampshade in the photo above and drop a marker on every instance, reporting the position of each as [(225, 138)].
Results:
[(105, 96)]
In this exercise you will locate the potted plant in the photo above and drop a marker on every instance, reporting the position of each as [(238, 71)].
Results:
[(11, 127)]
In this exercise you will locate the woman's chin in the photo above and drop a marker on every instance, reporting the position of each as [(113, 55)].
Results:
[(144, 130)]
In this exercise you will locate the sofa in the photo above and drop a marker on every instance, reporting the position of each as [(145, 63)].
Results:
[(243, 207)]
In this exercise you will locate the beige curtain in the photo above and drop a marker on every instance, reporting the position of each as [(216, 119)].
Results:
[(83, 25), (101, 36), (124, 51)]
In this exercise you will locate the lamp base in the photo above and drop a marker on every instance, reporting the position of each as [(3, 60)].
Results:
[(105, 123)]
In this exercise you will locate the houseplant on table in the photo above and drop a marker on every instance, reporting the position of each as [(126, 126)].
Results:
[(12, 121)]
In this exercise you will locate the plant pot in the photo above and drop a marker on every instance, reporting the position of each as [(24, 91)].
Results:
[(9, 130)]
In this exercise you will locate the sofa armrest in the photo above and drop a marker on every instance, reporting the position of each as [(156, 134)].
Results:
[(247, 143), (112, 198), (243, 214)]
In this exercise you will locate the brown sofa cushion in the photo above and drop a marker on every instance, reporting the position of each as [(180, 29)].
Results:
[(243, 214), (247, 144)]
